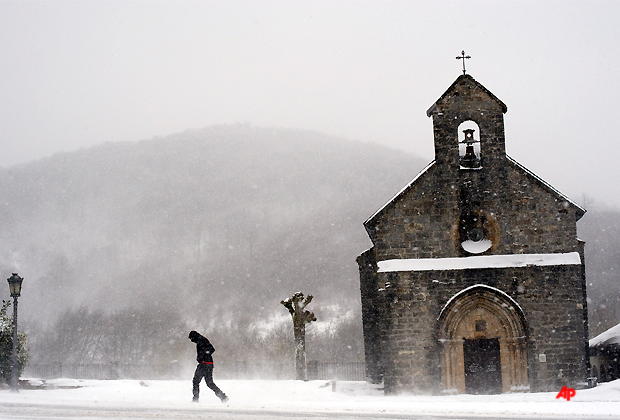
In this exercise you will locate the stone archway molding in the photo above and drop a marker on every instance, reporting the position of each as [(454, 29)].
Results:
[(509, 325), (483, 287)]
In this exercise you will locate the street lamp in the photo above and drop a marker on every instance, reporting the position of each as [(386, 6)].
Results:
[(15, 287)]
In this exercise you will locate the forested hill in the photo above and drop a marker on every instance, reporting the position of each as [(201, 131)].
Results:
[(215, 223), (218, 225)]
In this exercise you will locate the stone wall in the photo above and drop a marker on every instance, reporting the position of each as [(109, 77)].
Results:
[(551, 301), (424, 222), (373, 316)]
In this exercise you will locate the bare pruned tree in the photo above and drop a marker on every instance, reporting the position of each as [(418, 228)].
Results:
[(296, 306)]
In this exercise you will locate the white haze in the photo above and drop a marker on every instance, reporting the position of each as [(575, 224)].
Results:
[(76, 74)]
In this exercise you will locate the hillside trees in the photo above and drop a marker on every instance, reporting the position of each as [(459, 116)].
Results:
[(233, 211), (132, 336), (157, 337), (600, 229)]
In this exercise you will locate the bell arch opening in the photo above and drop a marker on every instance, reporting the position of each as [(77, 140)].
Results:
[(469, 145), (482, 343)]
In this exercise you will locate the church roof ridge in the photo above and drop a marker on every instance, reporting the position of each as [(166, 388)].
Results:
[(460, 79), (398, 194), (581, 211)]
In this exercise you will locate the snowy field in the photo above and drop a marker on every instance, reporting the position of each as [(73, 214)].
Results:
[(67, 397)]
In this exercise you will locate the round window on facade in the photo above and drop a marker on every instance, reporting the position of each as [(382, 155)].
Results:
[(478, 232)]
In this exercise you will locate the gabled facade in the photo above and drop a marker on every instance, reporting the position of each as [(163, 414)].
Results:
[(476, 280)]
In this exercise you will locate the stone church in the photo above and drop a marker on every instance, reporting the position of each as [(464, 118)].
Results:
[(475, 282)]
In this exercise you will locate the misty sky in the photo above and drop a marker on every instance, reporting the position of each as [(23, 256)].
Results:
[(76, 74)]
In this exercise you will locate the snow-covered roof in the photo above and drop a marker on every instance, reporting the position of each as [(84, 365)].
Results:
[(611, 336), (479, 261)]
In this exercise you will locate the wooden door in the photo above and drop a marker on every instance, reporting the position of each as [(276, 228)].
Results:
[(483, 373)]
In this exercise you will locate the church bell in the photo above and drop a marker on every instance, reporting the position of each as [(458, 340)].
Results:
[(470, 160)]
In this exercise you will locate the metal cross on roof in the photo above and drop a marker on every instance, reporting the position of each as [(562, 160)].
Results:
[(463, 57)]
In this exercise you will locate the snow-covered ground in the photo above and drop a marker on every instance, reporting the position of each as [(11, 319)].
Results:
[(309, 397)]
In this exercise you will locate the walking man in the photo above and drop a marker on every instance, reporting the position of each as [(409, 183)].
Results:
[(204, 350)]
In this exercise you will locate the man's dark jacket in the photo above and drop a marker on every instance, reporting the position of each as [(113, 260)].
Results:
[(204, 349)]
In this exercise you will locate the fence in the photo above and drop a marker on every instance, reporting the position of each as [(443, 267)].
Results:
[(102, 371), (351, 371), (254, 370)]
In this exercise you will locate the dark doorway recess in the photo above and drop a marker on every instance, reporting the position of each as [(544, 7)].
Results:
[(483, 373)]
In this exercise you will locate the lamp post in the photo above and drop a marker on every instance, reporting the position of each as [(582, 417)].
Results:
[(15, 287)]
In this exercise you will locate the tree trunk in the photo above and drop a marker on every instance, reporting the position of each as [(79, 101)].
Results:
[(295, 306), (299, 330)]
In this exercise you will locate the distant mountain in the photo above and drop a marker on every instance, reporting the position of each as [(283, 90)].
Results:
[(216, 223), (600, 229), (219, 224)]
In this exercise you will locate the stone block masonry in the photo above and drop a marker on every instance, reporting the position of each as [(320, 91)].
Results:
[(425, 329)]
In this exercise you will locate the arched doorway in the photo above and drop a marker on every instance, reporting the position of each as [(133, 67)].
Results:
[(483, 343)]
